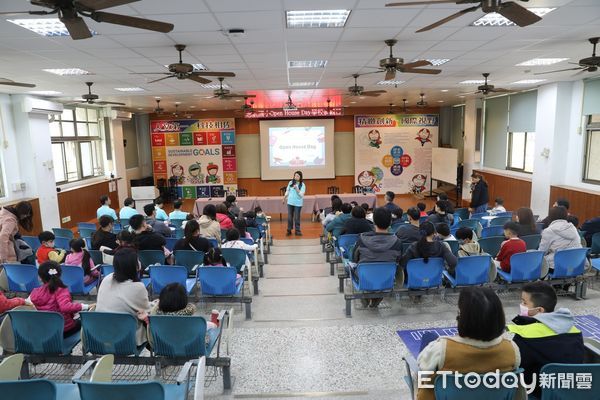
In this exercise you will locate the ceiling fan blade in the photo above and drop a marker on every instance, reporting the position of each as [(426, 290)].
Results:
[(580, 72), (104, 103), (231, 95), (213, 73), (77, 27), (500, 90), (390, 74), (161, 79), (518, 14), (368, 73), (102, 4), (558, 70), (149, 73), (13, 83), (420, 63), (449, 18), (196, 78), (418, 3), (372, 92), (422, 71), (134, 22)]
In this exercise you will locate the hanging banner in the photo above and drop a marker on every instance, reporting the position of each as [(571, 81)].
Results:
[(198, 154), (305, 112), (393, 152)]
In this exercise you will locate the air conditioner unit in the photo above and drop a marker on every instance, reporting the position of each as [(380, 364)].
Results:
[(38, 106), (120, 115)]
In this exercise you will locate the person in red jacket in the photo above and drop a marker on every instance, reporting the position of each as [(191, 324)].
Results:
[(8, 304), (53, 295), (509, 247)]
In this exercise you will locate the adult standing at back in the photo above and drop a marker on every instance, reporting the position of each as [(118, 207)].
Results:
[(480, 195), (294, 196), (11, 218)]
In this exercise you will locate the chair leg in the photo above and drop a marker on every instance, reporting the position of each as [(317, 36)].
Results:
[(332, 267), (348, 308), (255, 286), (226, 377), (341, 285), (248, 310)]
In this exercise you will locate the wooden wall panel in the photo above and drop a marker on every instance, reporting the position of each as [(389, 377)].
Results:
[(258, 187), (515, 192), (37, 218), (583, 204), (81, 203)]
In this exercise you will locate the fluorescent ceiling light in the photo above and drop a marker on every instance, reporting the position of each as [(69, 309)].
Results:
[(44, 26), (130, 89), (444, 90), (541, 61), (214, 86), (527, 81), (440, 101), (302, 84), (45, 92), (390, 83), (67, 71), (317, 18), (495, 19), (472, 82), (307, 64), (435, 61), (197, 67)]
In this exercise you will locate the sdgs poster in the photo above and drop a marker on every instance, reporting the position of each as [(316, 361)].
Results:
[(393, 152), (200, 154)]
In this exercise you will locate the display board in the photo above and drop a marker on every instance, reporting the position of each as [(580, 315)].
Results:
[(444, 162), (393, 151), (198, 154)]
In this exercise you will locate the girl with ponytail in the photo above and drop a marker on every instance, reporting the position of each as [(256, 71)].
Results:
[(427, 247), (81, 257)]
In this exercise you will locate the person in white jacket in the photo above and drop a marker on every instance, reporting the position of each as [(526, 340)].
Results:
[(559, 235), (234, 242)]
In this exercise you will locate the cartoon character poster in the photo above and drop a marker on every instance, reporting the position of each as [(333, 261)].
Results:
[(196, 153), (393, 152)]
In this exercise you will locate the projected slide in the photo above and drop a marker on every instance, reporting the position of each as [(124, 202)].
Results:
[(297, 146)]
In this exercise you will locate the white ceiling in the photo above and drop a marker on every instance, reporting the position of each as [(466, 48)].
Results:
[(259, 59)]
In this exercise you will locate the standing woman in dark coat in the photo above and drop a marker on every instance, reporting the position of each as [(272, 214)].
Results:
[(480, 196)]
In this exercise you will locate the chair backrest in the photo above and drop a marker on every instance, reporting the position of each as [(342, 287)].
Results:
[(376, 276), (10, 367), (241, 193), (532, 241), (495, 230), (103, 370), (32, 241), (500, 221), (248, 241), (108, 333), (217, 281), (30, 389), (282, 190), (462, 213), (214, 242), (234, 257), (63, 232), (472, 270), (86, 232), (171, 243), (470, 223), (37, 332), (455, 388), (423, 219), (254, 232), (178, 336), (491, 245), (478, 216), (72, 277), (96, 256), (540, 226), (150, 257), (62, 243), (88, 242), (423, 275), (149, 390), (189, 258), (454, 246), (21, 277), (333, 189), (581, 381), (124, 222), (505, 214), (177, 222), (86, 225), (569, 263), (595, 245), (162, 275), (526, 266), (347, 241), (178, 233), (405, 246), (107, 269)]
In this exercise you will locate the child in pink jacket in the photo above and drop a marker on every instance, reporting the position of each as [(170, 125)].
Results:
[(81, 257), (53, 295)]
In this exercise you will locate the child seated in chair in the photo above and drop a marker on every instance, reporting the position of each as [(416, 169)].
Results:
[(469, 247), (214, 258), (53, 295), (234, 242), (47, 252), (80, 257), (509, 247)]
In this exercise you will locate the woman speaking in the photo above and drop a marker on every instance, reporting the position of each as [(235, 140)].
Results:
[(294, 194)]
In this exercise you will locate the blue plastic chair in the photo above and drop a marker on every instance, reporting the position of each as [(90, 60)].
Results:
[(189, 259), (500, 221), (235, 257), (594, 246), (218, 281), (62, 243), (374, 277), (478, 216), (150, 390), (38, 389), (162, 275), (32, 241), (505, 214), (124, 223), (471, 223), (454, 246), (178, 233), (248, 241), (451, 391), (106, 269), (151, 257), (86, 225), (179, 336), (109, 333), (470, 271), (63, 232), (532, 241), (96, 256), (171, 243), (214, 242), (491, 245), (494, 230), (73, 276), (423, 275), (344, 243), (86, 232), (524, 267), (405, 246), (540, 226), (462, 213), (254, 232), (576, 392), (88, 242), (22, 277), (40, 333), (177, 222), (569, 263)]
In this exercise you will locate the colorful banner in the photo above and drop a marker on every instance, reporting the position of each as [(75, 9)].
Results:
[(200, 154), (393, 152), (304, 112)]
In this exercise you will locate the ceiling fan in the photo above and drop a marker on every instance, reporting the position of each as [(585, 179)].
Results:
[(70, 11), (421, 103), (90, 98), (359, 90), (176, 112), (247, 106), (183, 70), (486, 88), (158, 109), (4, 81), (223, 94), (589, 64), (509, 10), (392, 64), (289, 104)]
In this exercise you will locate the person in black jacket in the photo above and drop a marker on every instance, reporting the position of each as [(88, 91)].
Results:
[(409, 233), (357, 223), (442, 197), (145, 238), (427, 247), (441, 215), (526, 222), (104, 236), (192, 239), (590, 227), (480, 195), (570, 217)]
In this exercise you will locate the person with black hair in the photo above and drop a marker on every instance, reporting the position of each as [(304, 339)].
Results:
[(177, 213), (11, 218), (422, 206), (105, 209), (357, 223), (173, 300), (128, 209), (427, 247), (480, 194), (479, 346), (104, 235), (440, 215), (161, 215), (498, 206), (559, 235), (122, 291), (526, 222), (294, 196), (144, 238), (47, 251), (232, 208), (368, 212), (590, 227), (223, 217), (337, 224), (54, 296), (544, 335), (233, 242), (81, 257), (391, 207), (240, 225), (409, 233), (192, 239), (156, 225), (512, 245), (469, 247), (336, 209), (442, 196), (443, 231), (562, 202), (209, 226)]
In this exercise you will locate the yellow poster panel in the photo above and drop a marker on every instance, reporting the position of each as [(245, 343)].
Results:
[(172, 139), (159, 153), (230, 178)]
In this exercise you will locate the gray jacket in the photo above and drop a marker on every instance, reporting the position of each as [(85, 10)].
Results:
[(377, 247), (559, 235)]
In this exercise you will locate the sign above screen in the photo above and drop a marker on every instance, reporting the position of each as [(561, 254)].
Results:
[(310, 112)]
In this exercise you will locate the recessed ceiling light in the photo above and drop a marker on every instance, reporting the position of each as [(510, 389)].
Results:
[(495, 19), (352, 102), (472, 82), (130, 89), (204, 109), (192, 106), (390, 83), (45, 92), (238, 100), (67, 71), (197, 67), (541, 61), (307, 64), (317, 18), (361, 97), (214, 86), (440, 101), (461, 96), (44, 26), (527, 81), (302, 84), (140, 108), (444, 90), (434, 61)]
